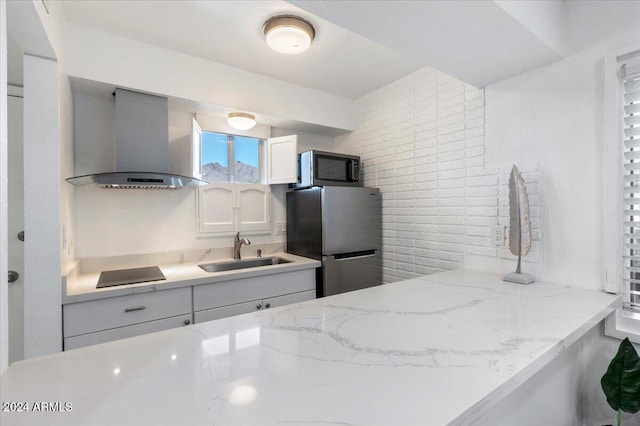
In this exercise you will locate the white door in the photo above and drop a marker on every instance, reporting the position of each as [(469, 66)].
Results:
[(15, 226)]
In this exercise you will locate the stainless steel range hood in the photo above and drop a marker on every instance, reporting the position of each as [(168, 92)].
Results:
[(142, 147)]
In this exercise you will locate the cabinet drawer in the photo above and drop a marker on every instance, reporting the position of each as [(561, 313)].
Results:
[(104, 314), (124, 332), (215, 295), (288, 299), (255, 305), (227, 311)]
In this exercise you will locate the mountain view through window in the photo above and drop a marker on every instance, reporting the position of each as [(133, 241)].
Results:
[(229, 158)]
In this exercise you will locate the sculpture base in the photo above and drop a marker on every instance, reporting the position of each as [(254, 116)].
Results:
[(514, 277)]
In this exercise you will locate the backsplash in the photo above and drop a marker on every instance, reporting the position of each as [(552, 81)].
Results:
[(125, 222), (421, 139), (98, 264)]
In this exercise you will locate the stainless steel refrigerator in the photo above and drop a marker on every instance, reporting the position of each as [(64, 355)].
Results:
[(341, 226)]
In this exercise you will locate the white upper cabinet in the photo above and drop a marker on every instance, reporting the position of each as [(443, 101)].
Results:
[(225, 208), (282, 159)]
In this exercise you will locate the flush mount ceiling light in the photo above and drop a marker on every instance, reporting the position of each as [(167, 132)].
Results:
[(288, 34), (241, 120)]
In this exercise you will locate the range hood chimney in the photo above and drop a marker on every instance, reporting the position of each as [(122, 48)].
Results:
[(142, 147)]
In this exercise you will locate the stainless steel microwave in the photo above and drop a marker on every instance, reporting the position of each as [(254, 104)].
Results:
[(319, 168)]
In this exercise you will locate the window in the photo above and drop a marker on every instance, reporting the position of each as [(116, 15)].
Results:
[(230, 158), (630, 111), (621, 230)]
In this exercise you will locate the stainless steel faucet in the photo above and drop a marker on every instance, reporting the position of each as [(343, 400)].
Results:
[(237, 245)]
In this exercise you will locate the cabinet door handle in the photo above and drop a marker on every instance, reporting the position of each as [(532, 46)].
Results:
[(258, 307), (139, 308), (268, 305), (187, 322)]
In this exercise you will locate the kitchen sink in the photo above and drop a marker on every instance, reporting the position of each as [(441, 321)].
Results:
[(242, 264)]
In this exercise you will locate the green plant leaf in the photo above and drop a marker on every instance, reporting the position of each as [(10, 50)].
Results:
[(621, 382)]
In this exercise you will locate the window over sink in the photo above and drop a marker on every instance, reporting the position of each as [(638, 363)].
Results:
[(230, 158), (220, 157), (240, 170)]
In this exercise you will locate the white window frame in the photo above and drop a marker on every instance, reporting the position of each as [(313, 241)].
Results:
[(231, 156), (621, 323)]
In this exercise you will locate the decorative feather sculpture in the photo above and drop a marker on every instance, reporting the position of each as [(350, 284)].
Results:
[(519, 225)]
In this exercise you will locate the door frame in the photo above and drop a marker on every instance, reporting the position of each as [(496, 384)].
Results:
[(36, 30)]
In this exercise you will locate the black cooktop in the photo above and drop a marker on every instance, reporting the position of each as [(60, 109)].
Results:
[(130, 276)]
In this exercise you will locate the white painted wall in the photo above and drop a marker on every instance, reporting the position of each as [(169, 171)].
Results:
[(49, 148), (421, 139), (114, 222), (43, 317), (555, 116), (67, 220), (423, 143), (589, 22), (15, 249), (107, 58), (306, 140), (4, 309)]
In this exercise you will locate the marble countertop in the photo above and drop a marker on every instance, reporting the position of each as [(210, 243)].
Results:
[(81, 286), (436, 350)]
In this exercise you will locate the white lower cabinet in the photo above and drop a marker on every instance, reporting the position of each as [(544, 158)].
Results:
[(255, 305), (124, 332), (228, 298), (103, 320), (288, 299)]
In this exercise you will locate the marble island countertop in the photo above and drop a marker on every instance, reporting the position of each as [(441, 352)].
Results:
[(80, 286), (436, 350)]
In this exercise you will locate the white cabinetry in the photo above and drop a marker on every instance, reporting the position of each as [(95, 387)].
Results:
[(282, 153), (102, 320), (224, 299), (254, 305), (125, 332), (217, 208), (225, 208)]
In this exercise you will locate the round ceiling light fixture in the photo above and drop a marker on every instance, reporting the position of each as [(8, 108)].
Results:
[(288, 34), (241, 120)]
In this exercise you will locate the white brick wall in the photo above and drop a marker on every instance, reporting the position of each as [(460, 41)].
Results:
[(421, 139)]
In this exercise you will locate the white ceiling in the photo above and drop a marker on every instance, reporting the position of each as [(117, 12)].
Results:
[(477, 41), (339, 61), (363, 45)]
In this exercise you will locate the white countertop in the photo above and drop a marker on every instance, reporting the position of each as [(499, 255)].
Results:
[(81, 287), (435, 350)]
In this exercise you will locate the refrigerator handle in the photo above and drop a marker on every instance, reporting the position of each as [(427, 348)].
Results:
[(354, 255)]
